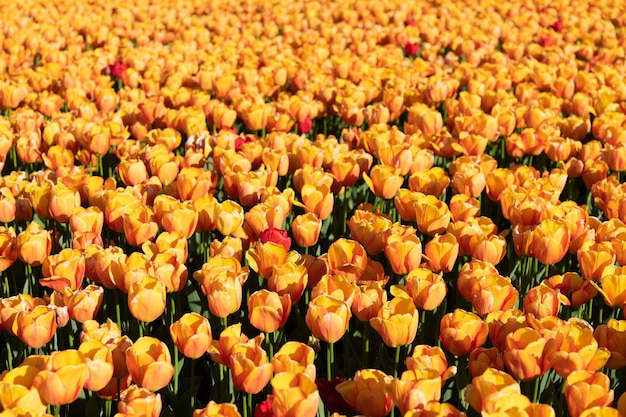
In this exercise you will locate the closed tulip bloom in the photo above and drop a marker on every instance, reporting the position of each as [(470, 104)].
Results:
[(294, 395), (404, 253), (347, 257), (295, 358), (289, 278), (367, 392), (63, 201), (83, 305), (136, 400), (397, 322), (34, 244), (327, 318), (461, 332), (524, 354), (594, 258), (8, 247), (140, 226), (132, 171), (250, 368), (488, 248), (192, 335), (85, 220), (612, 336), (63, 377), (550, 241), (493, 292), (543, 301), (427, 289), (146, 299), (275, 235), (433, 181), (182, 219), (586, 389), (368, 301), (432, 215), (268, 311), (230, 217), (441, 252), (492, 380), (224, 293), (336, 286), (149, 363), (383, 181), (264, 256), (436, 409), (306, 229), (414, 389), (99, 360), (430, 357), (8, 206), (231, 336), (318, 200), (481, 359), (36, 327)]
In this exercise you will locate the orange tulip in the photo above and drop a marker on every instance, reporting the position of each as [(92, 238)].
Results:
[(264, 256), (578, 290), (432, 215), (135, 400), (461, 332), (149, 363), (493, 292), (36, 327), (426, 289), (224, 292), (175, 216), (293, 395), (289, 278), (214, 409), (229, 217), (336, 286), (268, 311), (492, 380), (481, 359), (612, 336), (8, 247), (146, 299), (99, 360), (404, 253), (543, 301), (383, 181), (132, 171), (441, 252), (83, 305), (63, 377), (436, 409), (574, 348), (63, 270), (250, 368), (295, 357), (192, 335), (396, 322), (432, 358), (524, 354), (585, 389), (34, 244), (17, 390), (318, 199), (550, 241), (415, 389), (488, 248), (367, 392), (368, 228), (594, 258), (327, 318), (368, 301), (140, 226), (347, 257), (306, 229)]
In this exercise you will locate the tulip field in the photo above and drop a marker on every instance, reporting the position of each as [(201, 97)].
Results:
[(263, 208)]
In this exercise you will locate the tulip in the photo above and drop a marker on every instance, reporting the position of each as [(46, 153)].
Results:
[(612, 336), (146, 299), (433, 181), (415, 389), (368, 228), (383, 181), (175, 216), (99, 360), (543, 301), (461, 332), (293, 395), (550, 241), (214, 409), (83, 305), (578, 290), (36, 327), (289, 278), (192, 335), (441, 252), (396, 322), (481, 359), (229, 217), (277, 236), (432, 215), (149, 363), (318, 200), (524, 354), (427, 289), (367, 392), (347, 257), (264, 256), (224, 293), (433, 358), (594, 258), (436, 409), (295, 357), (268, 311), (336, 286), (135, 400), (404, 253), (63, 270), (17, 391), (63, 377), (132, 171), (34, 244), (250, 369), (493, 292), (221, 349), (140, 226), (492, 380), (306, 229), (8, 247), (327, 318), (368, 301), (585, 389)]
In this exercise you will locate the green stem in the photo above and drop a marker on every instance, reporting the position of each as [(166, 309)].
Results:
[(192, 384), (57, 410), (396, 362), (536, 390), (176, 371), (330, 358), (245, 405), (366, 344)]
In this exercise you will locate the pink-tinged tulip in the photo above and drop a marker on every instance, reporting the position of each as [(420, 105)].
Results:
[(149, 363), (327, 318), (136, 400), (461, 332), (586, 389), (396, 322), (293, 395), (63, 377), (192, 335), (250, 368)]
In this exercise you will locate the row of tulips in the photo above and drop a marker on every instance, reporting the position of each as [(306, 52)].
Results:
[(379, 208)]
